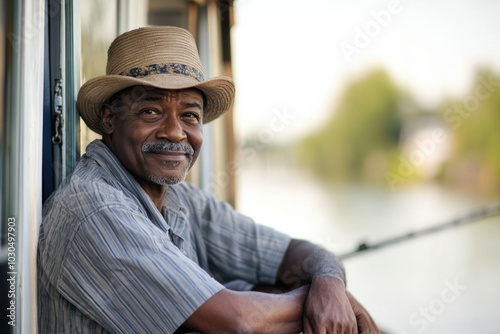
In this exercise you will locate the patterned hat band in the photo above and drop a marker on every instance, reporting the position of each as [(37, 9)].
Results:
[(171, 68)]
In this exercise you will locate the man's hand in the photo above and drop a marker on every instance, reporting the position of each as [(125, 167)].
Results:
[(366, 325), (328, 308)]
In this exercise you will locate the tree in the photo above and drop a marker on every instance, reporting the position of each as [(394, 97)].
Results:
[(474, 121), (362, 134)]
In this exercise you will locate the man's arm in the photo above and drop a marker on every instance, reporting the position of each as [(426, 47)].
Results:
[(329, 308), (324, 310), (304, 260), (250, 312)]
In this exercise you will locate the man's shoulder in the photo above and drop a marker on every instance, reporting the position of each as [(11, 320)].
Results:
[(88, 189)]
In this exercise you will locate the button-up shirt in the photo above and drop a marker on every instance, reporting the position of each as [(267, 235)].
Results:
[(109, 261)]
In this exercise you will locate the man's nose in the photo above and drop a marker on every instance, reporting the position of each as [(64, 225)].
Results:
[(172, 130)]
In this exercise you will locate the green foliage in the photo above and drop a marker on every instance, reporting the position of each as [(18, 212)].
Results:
[(474, 122), (362, 134), (362, 138)]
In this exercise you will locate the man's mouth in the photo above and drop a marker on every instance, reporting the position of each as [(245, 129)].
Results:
[(171, 155), (169, 149)]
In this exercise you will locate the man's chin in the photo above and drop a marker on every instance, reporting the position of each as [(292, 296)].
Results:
[(171, 182), (167, 180)]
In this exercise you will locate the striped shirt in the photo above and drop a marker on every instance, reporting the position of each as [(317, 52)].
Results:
[(110, 262)]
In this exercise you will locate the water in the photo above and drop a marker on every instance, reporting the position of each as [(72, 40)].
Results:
[(447, 282)]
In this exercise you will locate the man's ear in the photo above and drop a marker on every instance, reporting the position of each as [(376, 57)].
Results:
[(107, 119)]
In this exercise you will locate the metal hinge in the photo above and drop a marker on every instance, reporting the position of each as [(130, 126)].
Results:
[(58, 112)]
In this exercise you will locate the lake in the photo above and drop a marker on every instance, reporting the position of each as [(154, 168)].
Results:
[(446, 282)]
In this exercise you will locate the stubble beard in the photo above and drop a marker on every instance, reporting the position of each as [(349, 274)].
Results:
[(165, 146), (171, 180)]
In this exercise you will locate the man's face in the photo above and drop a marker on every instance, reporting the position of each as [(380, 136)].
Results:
[(156, 134)]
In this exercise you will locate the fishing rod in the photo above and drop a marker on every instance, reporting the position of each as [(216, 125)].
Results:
[(473, 216)]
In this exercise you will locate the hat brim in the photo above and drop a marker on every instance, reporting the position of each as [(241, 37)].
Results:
[(218, 92)]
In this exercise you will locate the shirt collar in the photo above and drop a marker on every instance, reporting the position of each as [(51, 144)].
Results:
[(172, 219)]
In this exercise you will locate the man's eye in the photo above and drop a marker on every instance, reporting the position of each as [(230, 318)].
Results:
[(149, 112), (193, 117), (150, 115)]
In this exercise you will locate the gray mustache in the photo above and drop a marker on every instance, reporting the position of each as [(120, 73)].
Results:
[(166, 146)]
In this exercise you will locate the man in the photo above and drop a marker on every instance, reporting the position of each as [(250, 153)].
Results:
[(126, 246)]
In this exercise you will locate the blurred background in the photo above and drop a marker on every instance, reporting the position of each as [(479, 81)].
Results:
[(354, 122), (357, 122)]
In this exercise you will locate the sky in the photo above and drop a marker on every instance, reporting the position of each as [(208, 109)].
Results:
[(293, 59)]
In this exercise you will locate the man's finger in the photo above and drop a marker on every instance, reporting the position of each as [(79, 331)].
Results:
[(307, 327), (366, 325), (314, 328)]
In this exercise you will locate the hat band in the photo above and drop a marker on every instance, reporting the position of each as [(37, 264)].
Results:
[(171, 68)]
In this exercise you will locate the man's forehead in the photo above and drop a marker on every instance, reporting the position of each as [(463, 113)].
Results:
[(141, 93)]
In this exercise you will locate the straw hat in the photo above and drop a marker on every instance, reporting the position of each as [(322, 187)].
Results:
[(162, 57)]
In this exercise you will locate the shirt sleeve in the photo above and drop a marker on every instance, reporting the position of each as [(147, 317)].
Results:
[(126, 274), (237, 247)]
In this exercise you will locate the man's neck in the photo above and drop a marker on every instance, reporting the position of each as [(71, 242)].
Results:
[(156, 192)]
